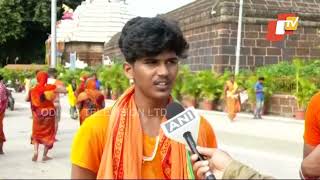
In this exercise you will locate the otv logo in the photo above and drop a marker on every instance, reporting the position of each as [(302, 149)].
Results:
[(286, 24)]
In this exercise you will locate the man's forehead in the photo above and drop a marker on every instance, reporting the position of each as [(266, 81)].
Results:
[(162, 56)]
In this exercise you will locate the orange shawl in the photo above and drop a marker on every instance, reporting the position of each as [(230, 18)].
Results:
[(43, 112), (94, 96), (123, 152)]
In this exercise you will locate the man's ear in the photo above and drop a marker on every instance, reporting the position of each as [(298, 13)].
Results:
[(128, 70)]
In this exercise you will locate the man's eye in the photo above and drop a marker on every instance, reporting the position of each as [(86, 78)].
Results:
[(151, 62), (173, 61)]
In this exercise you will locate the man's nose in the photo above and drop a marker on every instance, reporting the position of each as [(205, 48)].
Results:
[(162, 70)]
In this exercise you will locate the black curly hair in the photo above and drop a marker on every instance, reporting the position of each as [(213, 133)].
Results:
[(144, 37)]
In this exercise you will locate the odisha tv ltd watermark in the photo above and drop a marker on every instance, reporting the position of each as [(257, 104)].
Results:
[(286, 24), (51, 112)]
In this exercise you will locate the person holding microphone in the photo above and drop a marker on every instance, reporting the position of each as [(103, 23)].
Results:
[(310, 166), (223, 166)]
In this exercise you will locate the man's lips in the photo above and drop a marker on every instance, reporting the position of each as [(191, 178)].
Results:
[(162, 84)]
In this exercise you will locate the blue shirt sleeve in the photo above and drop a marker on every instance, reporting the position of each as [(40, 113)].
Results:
[(256, 86), (98, 84)]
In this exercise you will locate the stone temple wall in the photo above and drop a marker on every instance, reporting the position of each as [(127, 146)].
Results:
[(210, 27)]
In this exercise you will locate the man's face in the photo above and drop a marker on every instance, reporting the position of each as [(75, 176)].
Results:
[(261, 81), (154, 76)]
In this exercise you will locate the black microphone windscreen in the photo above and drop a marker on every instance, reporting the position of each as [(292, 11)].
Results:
[(173, 109)]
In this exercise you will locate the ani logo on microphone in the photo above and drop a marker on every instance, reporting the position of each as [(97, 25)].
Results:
[(188, 120), (285, 24), (180, 121)]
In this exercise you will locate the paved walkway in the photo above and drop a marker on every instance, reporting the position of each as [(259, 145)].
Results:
[(272, 145)]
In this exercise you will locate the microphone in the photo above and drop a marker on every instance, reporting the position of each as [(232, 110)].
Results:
[(182, 125)]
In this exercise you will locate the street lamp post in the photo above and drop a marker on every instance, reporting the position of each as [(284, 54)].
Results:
[(239, 38), (53, 61)]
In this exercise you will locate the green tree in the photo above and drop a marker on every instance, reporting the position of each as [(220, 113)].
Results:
[(25, 26), (11, 18)]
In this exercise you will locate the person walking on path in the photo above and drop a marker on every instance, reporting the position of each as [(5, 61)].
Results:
[(71, 88), (232, 98), (3, 107), (60, 89), (90, 100), (43, 112), (258, 88)]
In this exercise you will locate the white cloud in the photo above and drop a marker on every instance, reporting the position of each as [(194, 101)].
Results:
[(149, 8)]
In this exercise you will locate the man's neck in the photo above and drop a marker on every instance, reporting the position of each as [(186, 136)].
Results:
[(150, 112)]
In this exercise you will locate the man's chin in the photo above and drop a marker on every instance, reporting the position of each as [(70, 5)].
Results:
[(161, 95)]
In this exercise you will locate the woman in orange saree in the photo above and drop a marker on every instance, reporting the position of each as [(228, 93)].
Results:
[(232, 98), (90, 100), (43, 113)]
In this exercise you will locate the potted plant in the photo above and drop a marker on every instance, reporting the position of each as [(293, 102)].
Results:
[(303, 94), (210, 89), (190, 89), (176, 90), (299, 113), (219, 82), (117, 81), (104, 76)]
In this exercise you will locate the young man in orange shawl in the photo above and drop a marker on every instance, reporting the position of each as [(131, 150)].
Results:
[(43, 113), (126, 141), (310, 167), (90, 100)]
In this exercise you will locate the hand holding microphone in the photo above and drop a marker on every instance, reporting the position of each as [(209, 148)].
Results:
[(183, 126), (198, 157), (223, 166), (217, 162)]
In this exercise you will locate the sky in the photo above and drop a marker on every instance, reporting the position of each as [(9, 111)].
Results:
[(149, 8)]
